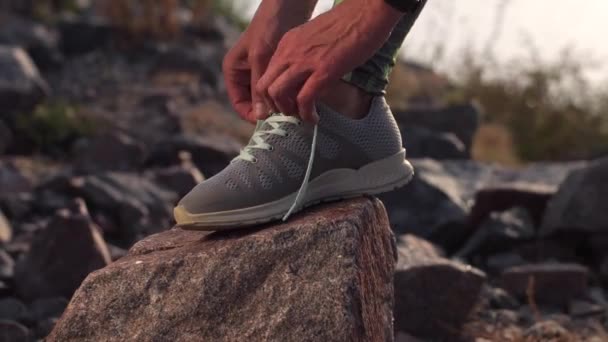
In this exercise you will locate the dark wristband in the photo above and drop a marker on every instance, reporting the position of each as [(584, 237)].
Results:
[(405, 6)]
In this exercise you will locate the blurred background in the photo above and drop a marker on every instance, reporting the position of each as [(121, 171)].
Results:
[(111, 110)]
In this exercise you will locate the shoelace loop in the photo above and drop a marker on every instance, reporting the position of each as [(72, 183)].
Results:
[(258, 142)]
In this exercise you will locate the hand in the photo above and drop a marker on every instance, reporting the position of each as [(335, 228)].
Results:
[(245, 63), (321, 51)]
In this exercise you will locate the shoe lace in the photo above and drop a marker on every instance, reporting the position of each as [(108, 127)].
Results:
[(258, 141)]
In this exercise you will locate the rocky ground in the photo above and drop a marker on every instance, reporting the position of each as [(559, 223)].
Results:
[(99, 140)]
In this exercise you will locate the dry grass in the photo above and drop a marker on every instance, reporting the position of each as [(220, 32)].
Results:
[(494, 143)]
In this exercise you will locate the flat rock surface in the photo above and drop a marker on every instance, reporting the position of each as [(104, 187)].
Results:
[(326, 275)]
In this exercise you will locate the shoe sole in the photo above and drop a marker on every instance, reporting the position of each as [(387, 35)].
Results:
[(377, 177)]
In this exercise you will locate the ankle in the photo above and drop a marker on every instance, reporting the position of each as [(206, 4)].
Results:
[(347, 100)]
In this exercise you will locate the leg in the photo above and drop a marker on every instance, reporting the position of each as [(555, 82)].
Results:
[(370, 79)]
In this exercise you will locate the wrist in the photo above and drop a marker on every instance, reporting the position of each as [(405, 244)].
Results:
[(384, 12)]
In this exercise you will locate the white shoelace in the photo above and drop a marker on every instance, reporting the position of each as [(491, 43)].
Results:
[(258, 142)]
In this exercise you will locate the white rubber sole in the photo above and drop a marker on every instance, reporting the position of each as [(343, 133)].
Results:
[(372, 179)]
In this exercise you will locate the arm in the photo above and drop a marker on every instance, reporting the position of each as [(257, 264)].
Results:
[(247, 60)]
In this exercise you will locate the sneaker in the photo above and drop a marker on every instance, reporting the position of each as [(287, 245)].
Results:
[(276, 174)]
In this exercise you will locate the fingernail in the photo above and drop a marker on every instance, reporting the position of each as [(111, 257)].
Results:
[(260, 110)]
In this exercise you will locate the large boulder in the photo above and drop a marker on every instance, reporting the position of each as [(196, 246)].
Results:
[(21, 86), (433, 295), (61, 256), (581, 204), (326, 275)]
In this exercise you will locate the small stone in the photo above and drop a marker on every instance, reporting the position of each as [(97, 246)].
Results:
[(550, 283)]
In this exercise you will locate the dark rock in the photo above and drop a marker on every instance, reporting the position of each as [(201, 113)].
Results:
[(581, 204), (497, 263), (135, 205), (44, 327), (110, 151), (21, 86), (45, 308), (13, 332), (549, 283), (531, 196), (7, 266), (210, 154), (80, 35), (16, 205), (400, 336), (6, 137), (179, 179), (547, 331), (12, 181), (582, 308), (61, 256), (6, 230), (433, 200), (5, 289), (12, 309), (326, 275), (421, 142), (433, 295), (461, 120), (437, 203), (41, 42), (201, 59), (116, 252), (499, 233), (499, 298)]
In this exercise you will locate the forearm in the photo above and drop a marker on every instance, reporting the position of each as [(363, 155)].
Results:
[(290, 12)]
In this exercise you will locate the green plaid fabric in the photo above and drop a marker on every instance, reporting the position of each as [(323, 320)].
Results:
[(373, 75)]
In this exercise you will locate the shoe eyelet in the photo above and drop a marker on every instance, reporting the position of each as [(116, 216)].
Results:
[(286, 135), (271, 148), (255, 160)]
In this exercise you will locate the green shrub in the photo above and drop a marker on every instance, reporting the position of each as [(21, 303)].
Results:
[(552, 110), (53, 125)]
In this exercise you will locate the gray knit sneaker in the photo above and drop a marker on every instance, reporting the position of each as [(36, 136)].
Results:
[(276, 174)]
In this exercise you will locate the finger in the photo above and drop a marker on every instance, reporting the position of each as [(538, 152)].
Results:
[(273, 71), (259, 62), (238, 85), (309, 94), (284, 90)]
